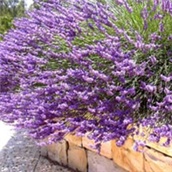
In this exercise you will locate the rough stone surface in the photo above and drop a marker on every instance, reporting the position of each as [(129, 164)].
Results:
[(74, 139), (156, 162), (98, 163), (77, 158), (58, 152), (127, 158), (19, 153), (87, 143), (157, 146), (106, 148), (160, 148)]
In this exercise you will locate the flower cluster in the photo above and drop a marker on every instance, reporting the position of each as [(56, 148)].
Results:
[(79, 66)]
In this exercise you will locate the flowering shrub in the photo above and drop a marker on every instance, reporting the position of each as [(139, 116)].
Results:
[(81, 66)]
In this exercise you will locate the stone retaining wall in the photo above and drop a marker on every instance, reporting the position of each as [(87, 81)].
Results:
[(75, 152)]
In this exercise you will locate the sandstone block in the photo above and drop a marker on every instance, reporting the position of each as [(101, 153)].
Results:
[(128, 158), (157, 146), (74, 139), (98, 163), (77, 158), (58, 152), (156, 162), (87, 143), (106, 147)]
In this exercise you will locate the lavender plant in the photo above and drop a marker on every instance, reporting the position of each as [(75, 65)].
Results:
[(89, 67)]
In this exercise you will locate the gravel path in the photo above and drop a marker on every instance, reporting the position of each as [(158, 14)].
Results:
[(20, 154)]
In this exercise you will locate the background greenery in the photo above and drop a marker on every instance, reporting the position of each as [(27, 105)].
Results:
[(9, 9)]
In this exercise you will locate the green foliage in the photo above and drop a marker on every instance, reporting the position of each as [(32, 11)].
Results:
[(9, 9), (5, 23), (89, 36), (135, 23)]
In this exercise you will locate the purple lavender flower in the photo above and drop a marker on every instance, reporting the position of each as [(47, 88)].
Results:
[(165, 78), (74, 68)]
